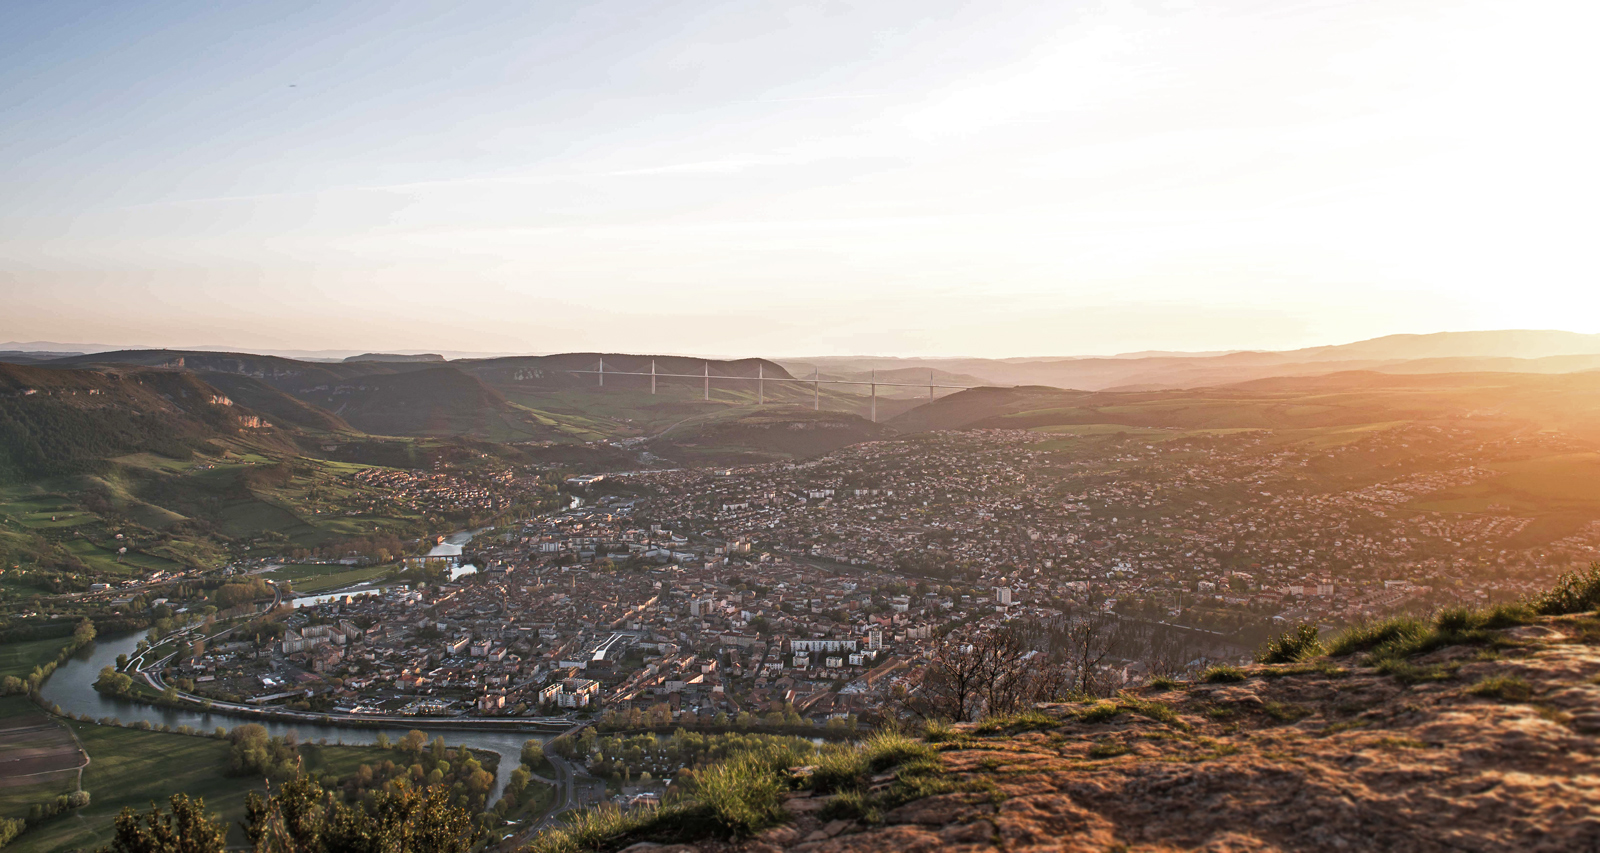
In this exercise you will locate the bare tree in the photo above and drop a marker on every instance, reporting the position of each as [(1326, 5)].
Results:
[(1167, 656), (999, 672), (951, 683), (1086, 643)]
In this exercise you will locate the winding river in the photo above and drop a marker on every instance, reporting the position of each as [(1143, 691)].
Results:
[(72, 687)]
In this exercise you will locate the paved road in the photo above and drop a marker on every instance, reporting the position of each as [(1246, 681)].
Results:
[(573, 791)]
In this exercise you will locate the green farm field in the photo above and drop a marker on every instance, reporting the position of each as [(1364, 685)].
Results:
[(40, 754), (322, 577), (19, 659), (106, 560), (133, 768)]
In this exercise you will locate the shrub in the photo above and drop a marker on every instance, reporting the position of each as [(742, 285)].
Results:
[(1222, 673), (1574, 592), (63, 803), (1291, 646)]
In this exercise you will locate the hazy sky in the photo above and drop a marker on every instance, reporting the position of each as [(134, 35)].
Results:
[(893, 176)]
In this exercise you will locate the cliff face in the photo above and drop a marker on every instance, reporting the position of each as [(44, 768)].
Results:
[(1484, 747)]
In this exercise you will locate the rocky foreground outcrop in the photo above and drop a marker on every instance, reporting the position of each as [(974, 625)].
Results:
[(1486, 747)]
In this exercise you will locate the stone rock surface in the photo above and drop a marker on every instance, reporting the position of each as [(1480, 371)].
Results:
[(1325, 756)]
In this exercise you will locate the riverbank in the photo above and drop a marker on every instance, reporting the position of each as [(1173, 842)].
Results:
[(71, 688), (129, 767)]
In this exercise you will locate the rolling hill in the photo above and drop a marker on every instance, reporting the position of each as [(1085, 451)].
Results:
[(55, 422), (1509, 351), (1568, 402), (746, 437), (431, 401)]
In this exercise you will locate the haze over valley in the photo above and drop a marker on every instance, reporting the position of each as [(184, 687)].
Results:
[(707, 427)]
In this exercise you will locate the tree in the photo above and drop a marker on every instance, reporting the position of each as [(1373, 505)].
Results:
[(660, 714), (186, 829), (950, 683), (999, 672), (520, 778), (532, 753), (301, 818), (113, 682), (412, 742), (1087, 643), (254, 751)]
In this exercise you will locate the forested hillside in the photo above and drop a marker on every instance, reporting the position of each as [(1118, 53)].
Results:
[(57, 422)]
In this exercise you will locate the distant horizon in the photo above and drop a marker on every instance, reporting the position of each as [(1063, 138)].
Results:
[(95, 348)]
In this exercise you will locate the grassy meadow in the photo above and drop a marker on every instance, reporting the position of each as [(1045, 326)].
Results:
[(320, 577), (133, 768), (19, 659)]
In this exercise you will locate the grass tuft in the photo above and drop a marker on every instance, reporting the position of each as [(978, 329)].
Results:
[(1343, 726), (852, 805), (1025, 721), (1407, 672), (588, 829), (1507, 688), (1404, 636), (1325, 668), (1394, 744), (733, 799), (1165, 682), (1287, 712), (1291, 646), (1107, 749), (1222, 673), (844, 768), (1159, 711), (1369, 635), (1100, 712), (938, 731)]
